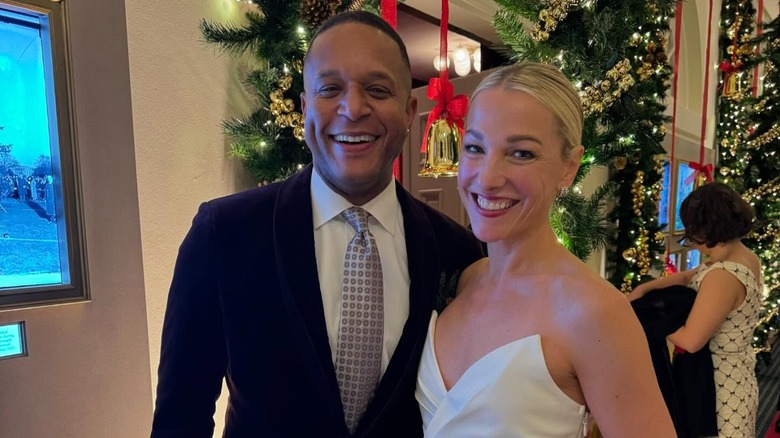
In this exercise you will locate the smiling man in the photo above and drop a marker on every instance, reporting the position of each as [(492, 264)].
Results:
[(312, 296)]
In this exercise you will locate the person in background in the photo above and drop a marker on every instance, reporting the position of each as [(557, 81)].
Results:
[(728, 300), (534, 342), (311, 296)]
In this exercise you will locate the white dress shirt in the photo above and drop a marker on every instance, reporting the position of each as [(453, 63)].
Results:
[(332, 234)]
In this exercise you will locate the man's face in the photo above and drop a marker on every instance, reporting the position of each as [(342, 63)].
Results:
[(357, 108)]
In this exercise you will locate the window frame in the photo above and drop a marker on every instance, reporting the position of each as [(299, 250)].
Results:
[(64, 153)]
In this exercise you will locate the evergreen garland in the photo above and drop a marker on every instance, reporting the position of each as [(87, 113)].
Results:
[(277, 36)]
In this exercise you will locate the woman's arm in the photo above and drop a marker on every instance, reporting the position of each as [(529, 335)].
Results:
[(612, 363), (677, 279), (718, 294)]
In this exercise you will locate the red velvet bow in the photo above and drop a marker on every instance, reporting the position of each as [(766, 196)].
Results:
[(670, 267), (729, 67), (452, 108), (699, 169)]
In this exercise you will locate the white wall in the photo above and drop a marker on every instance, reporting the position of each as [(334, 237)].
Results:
[(182, 89), (87, 373)]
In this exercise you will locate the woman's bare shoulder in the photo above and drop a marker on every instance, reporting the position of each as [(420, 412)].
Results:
[(472, 272)]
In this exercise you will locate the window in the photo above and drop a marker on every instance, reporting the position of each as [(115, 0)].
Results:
[(692, 259), (663, 202), (685, 184), (41, 248)]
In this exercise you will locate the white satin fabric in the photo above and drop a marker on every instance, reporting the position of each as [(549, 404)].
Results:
[(507, 393)]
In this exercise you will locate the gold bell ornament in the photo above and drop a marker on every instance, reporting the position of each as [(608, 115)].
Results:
[(444, 128), (443, 134), (732, 82), (442, 149)]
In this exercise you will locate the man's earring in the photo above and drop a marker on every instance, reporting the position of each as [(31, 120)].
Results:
[(563, 192), (408, 131)]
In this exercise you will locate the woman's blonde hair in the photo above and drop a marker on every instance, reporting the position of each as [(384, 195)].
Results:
[(550, 87)]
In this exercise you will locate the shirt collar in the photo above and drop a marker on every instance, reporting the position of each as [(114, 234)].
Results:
[(327, 204)]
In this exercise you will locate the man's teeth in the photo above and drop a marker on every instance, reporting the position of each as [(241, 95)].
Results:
[(354, 138), (494, 205)]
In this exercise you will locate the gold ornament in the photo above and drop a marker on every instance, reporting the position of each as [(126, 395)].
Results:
[(356, 5), (724, 171), (549, 18), (285, 82), (602, 94), (732, 87), (316, 12), (442, 148), (629, 255), (620, 163), (282, 109), (298, 133)]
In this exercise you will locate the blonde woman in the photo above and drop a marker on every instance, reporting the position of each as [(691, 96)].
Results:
[(534, 342)]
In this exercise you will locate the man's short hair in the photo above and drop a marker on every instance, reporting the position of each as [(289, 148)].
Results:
[(368, 19)]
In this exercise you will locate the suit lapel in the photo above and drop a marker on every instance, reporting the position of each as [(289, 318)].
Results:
[(423, 261), (300, 288)]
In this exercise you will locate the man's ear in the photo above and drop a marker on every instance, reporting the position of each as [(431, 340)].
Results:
[(411, 110), (303, 101)]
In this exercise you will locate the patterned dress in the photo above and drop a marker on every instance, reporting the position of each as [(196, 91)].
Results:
[(733, 359)]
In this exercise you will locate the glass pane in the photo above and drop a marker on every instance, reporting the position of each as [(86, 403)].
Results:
[(692, 259), (663, 203), (674, 259), (684, 188), (33, 243)]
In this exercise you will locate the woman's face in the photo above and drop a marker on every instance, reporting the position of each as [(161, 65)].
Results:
[(511, 164)]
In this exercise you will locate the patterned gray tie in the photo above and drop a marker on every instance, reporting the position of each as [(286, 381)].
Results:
[(359, 348)]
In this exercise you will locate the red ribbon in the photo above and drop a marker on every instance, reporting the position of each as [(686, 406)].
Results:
[(441, 90), (389, 11), (452, 108), (706, 93), (759, 24), (675, 76), (729, 67), (699, 169)]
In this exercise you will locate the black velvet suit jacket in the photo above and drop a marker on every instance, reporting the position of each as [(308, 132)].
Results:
[(245, 303)]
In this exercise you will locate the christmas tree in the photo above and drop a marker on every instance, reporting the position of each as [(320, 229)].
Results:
[(613, 52), (269, 141), (737, 22), (759, 182)]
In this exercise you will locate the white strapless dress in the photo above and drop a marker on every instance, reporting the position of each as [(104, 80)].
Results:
[(507, 393)]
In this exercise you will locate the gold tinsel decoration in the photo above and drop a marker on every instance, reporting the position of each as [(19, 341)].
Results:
[(758, 107), (283, 108), (356, 5), (601, 95), (770, 188), (638, 190), (772, 134), (549, 17), (639, 255), (316, 12)]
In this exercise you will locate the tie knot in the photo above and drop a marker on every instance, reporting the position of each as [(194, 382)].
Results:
[(357, 218)]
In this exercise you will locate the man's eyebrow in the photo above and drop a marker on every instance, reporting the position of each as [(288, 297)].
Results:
[(370, 75)]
